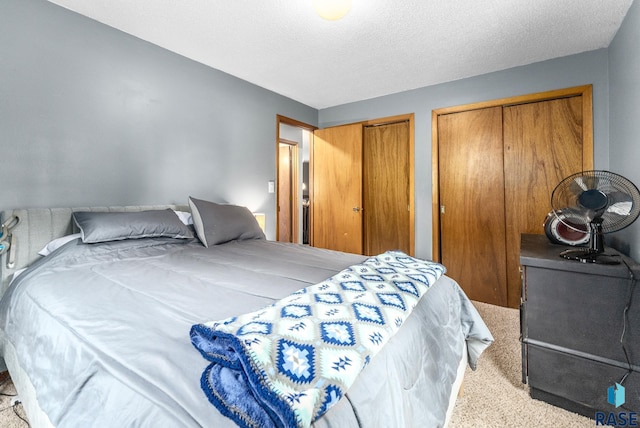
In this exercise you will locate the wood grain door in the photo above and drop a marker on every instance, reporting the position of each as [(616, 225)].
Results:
[(386, 188), (337, 188), (545, 137), (472, 210), (543, 143), (285, 190)]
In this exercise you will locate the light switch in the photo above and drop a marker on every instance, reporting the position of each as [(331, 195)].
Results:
[(272, 186)]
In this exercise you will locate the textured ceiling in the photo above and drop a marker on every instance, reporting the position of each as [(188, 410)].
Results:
[(381, 47)]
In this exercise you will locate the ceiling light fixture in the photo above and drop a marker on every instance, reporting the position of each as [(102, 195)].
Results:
[(331, 10)]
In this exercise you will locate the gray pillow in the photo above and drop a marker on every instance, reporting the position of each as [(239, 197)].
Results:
[(115, 226), (219, 223)]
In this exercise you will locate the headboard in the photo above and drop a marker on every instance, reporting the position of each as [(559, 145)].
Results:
[(38, 226)]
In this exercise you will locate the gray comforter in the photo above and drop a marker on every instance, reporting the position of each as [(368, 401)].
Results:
[(102, 330)]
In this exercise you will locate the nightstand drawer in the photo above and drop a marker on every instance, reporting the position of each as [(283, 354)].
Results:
[(580, 311), (580, 380)]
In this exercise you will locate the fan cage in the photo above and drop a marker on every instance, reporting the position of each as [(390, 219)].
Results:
[(623, 200)]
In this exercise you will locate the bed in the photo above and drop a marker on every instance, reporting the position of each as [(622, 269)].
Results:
[(97, 333)]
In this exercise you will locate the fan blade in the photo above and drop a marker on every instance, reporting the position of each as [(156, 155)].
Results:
[(592, 180), (613, 220), (577, 186), (617, 197), (620, 211), (584, 182), (620, 208)]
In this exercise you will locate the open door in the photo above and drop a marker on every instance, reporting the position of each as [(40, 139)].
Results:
[(337, 188), (287, 200)]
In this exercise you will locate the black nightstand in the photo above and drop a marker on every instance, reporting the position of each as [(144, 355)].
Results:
[(571, 322)]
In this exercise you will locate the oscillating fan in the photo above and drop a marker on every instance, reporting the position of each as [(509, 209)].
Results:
[(598, 202)]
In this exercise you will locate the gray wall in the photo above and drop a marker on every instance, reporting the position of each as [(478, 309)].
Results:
[(576, 70), (92, 116), (624, 107)]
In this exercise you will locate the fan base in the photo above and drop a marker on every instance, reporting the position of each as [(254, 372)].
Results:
[(587, 255)]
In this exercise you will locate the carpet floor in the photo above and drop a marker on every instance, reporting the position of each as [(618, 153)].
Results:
[(10, 413), (493, 396)]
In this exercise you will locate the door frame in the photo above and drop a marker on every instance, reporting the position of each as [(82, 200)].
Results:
[(586, 91), (296, 176)]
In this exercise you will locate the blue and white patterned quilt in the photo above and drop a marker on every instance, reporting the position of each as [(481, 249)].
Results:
[(288, 363)]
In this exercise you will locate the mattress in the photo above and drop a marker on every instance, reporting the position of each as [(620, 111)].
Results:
[(101, 333)]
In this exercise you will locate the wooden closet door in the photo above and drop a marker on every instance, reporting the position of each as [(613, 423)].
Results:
[(386, 187), (472, 215), (543, 143), (337, 188)]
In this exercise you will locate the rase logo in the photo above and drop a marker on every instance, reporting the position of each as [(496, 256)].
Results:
[(616, 397)]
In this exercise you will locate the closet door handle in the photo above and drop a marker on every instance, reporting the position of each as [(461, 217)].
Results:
[(356, 209)]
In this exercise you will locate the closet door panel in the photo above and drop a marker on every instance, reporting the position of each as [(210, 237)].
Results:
[(337, 188), (386, 186), (472, 202), (543, 143)]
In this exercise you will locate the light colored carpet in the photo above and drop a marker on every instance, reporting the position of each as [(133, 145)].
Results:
[(8, 417), (494, 395)]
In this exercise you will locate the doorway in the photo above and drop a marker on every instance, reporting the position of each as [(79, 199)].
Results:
[(293, 153)]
